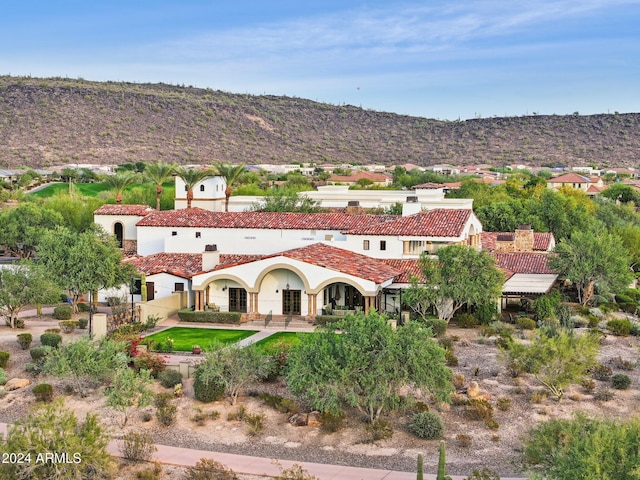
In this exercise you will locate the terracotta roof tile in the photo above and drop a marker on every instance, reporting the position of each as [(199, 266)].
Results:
[(523, 262), (407, 267), (354, 177), (429, 186), (197, 217), (111, 209), (432, 223), (184, 265), (570, 178)]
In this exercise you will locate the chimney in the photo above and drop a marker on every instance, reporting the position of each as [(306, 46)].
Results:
[(524, 239), (353, 207), (411, 206), (210, 257)]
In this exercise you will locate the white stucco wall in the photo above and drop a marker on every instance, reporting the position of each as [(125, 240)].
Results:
[(107, 222)]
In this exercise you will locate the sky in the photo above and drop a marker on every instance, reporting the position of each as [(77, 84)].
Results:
[(444, 59)]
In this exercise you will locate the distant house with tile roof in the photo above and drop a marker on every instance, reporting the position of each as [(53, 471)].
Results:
[(574, 180), (380, 179)]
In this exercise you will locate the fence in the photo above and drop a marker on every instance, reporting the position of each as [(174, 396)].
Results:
[(124, 317)]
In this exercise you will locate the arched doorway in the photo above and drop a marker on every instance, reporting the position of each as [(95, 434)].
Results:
[(118, 231)]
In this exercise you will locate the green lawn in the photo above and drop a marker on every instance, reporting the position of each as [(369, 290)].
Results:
[(290, 338), (186, 337), (84, 189)]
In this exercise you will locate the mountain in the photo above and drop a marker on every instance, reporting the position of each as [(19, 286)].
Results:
[(52, 121)]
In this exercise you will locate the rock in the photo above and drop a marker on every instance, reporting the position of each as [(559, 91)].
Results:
[(474, 390), (314, 419), (16, 383), (298, 419)]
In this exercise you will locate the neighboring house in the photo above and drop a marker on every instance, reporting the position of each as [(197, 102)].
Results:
[(581, 182), (380, 179)]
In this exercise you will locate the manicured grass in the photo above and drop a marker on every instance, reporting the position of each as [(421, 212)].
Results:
[(290, 338), (186, 337), (84, 189)]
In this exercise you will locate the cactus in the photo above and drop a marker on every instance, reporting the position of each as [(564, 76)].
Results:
[(442, 469), (420, 473)]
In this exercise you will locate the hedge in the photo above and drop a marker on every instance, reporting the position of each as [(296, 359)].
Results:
[(210, 317), (323, 320)]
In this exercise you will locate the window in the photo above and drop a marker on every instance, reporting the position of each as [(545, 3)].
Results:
[(383, 244), (174, 233), (202, 188), (198, 234), (186, 189), (365, 244), (328, 238), (178, 287)]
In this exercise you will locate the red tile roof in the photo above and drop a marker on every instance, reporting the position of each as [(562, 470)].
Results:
[(432, 223), (523, 262), (197, 217), (429, 186), (183, 265), (541, 240), (593, 189), (138, 210), (408, 268), (570, 178), (354, 177)]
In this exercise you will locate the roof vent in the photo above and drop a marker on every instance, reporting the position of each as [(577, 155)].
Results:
[(413, 199), (211, 248), (505, 237), (524, 227), (353, 203)]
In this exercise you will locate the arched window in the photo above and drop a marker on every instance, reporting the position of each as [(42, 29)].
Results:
[(118, 231)]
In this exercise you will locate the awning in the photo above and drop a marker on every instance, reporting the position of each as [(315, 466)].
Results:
[(529, 283)]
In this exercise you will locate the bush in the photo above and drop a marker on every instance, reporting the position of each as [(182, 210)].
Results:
[(83, 323), (150, 361), (43, 392), (484, 474), (379, 430), (83, 307), (504, 403), (24, 340), (603, 394), (4, 359), (137, 446), (170, 378), (52, 340), (208, 469), (166, 415), (210, 317), (479, 409), (622, 298), (207, 392), (52, 330), (68, 326), (151, 473), (620, 363), (466, 320), (620, 326), (162, 399), (332, 423), (588, 384), (464, 440), (438, 327), (601, 372), (63, 312), (255, 422), (38, 353), (620, 381), (281, 404), (3, 377), (19, 323), (427, 425), (526, 323), (324, 320), (450, 358)]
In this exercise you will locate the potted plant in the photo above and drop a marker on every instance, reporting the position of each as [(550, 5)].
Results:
[(196, 349)]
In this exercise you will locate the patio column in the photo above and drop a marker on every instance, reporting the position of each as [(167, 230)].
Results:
[(199, 300), (368, 303), (312, 304)]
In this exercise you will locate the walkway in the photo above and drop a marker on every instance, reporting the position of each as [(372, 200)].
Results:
[(262, 466)]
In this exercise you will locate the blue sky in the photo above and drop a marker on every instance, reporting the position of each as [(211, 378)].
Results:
[(444, 59)]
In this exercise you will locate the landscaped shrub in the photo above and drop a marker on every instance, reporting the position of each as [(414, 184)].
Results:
[(137, 446), (62, 312), (150, 361), (52, 330), (479, 409), (622, 364), (463, 440), (170, 378), (601, 372), (504, 403), (38, 353), (324, 320), (255, 422), (331, 423), (588, 384), (281, 404), (52, 340), (619, 326), (24, 340), (466, 320), (620, 381), (622, 298), (151, 473), (450, 358), (83, 307), (68, 326), (487, 312), (438, 327), (43, 392), (208, 469), (207, 392), (603, 394), (83, 323), (379, 430), (484, 474), (166, 415), (3, 377), (4, 359), (19, 322), (210, 317), (427, 425), (526, 323)]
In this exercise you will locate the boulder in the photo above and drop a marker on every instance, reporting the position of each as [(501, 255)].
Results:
[(16, 383), (298, 419), (314, 419)]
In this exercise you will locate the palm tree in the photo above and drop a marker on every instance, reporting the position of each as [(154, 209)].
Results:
[(119, 182), (191, 178), (159, 173), (231, 174)]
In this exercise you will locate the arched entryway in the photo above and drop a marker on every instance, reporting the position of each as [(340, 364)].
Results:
[(118, 231)]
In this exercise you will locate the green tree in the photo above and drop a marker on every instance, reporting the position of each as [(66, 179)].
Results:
[(233, 367), (459, 276), (159, 173), (556, 361), (85, 362), (24, 225), (191, 177), (54, 429), (76, 212), (21, 285), (119, 182), (231, 174), (83, 262), (366, 365), (129, 389), (584, 448), (593, 260)]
